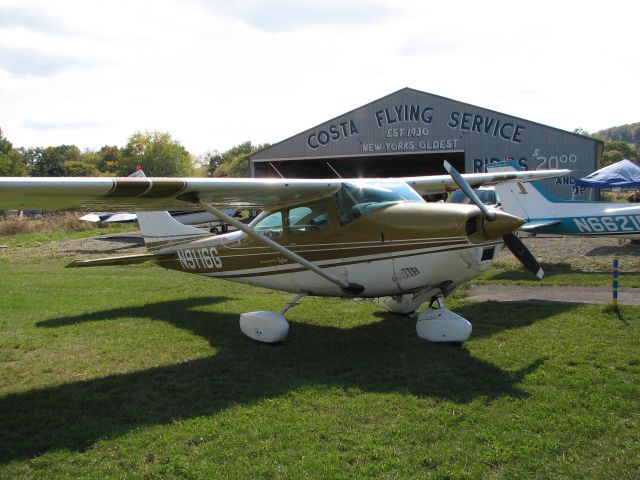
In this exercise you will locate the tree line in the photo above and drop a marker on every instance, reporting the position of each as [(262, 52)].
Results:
[(627, 133), (160, 155), (157, 153), (619, 143)]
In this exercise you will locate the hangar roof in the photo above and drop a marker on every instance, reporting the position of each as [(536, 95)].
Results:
[(410, 121)]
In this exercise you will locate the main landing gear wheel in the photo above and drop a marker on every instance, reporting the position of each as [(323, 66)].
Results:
[(267, 326), (440, 324), (264, 326)]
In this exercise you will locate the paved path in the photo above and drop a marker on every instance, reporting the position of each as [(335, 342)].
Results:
[(592, 295)]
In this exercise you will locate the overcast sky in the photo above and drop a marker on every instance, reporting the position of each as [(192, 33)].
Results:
[(215, 73)]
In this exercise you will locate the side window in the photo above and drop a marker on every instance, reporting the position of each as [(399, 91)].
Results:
[(308, 218), (270, 226)]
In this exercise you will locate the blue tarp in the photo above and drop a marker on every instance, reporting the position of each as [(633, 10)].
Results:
[(623, 174)]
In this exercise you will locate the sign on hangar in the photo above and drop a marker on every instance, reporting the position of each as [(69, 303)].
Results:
[(411, 132)]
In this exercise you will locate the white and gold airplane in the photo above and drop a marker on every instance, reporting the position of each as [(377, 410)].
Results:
[(374, 238)]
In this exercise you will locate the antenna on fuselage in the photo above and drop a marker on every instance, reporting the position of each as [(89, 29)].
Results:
[(334, 170), (277, 171)]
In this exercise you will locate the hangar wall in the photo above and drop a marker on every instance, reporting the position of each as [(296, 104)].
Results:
[(410, 132)]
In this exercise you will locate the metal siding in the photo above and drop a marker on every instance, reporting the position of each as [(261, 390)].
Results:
[(382, 127)]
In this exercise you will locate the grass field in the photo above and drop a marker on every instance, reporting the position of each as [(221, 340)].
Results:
[(558, 274), (138, 372)]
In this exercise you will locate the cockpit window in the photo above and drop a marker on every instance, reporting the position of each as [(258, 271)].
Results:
[(308, 218), (356, 199), (270, 226)]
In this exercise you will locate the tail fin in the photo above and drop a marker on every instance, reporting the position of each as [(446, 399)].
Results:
[(161, 230), (525, 200)]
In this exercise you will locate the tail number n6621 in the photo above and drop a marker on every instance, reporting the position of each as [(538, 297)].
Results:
[(199, 258), (621, 223)]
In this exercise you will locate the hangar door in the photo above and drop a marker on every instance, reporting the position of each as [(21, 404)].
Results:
[(404, 165)]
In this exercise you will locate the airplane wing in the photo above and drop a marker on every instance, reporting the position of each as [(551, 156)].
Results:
[(444, 183), (154, 193), (132, 194)]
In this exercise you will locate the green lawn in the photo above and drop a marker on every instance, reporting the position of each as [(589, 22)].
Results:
[(559, 274), (138, 372), (25, 243)]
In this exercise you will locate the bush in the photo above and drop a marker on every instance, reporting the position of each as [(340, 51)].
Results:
[(68, 222)]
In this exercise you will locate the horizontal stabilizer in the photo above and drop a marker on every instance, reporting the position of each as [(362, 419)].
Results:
[(120, 218), (121, 260), (534, 225)]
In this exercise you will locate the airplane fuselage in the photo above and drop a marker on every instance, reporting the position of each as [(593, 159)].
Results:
[(396, 249), (548, 214), (597, 219)]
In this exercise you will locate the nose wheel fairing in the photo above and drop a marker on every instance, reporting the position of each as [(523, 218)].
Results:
[(442, 325)]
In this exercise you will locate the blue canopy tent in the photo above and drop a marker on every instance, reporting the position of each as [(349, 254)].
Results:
[(623, 174)]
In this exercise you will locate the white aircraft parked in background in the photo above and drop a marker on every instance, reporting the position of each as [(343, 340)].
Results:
[(187, 217), (373, 238), (545, 213)]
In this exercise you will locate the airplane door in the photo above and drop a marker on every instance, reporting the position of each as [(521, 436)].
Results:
[(312, 233)]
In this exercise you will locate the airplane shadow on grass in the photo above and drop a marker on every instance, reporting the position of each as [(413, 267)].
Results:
[(383, 356)]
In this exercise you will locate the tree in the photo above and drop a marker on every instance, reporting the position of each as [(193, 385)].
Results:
[(11, 163), (109, 158), (210, 161), (235, 161), (623, 147), (158, 155), (29, 157), (85, 166), (239, 166), (609, 157), (614, 151), (50, 161)]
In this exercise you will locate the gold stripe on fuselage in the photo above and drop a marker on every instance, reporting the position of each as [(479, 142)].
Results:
[(254, 261)]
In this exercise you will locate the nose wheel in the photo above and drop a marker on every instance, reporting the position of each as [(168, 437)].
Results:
[(439, 324)]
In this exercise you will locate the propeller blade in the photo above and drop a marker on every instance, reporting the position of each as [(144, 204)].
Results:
[(514, 244), (466, 188), (523, 254)]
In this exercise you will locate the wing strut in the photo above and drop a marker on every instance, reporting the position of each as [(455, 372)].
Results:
[(347, 287)]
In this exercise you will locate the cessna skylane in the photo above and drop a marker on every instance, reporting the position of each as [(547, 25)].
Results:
[(546, 214), (374, 238)]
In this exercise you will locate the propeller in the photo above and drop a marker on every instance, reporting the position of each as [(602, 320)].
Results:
[(466, 188), (513, 243), (522, 253)]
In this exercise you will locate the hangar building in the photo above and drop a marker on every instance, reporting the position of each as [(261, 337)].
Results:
[(409, 133)]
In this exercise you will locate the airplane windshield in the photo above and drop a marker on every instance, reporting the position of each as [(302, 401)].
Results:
[(356, 199)]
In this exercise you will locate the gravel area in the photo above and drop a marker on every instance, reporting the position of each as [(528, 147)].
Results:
[(103, 245), (556, 294), (589, 254)]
